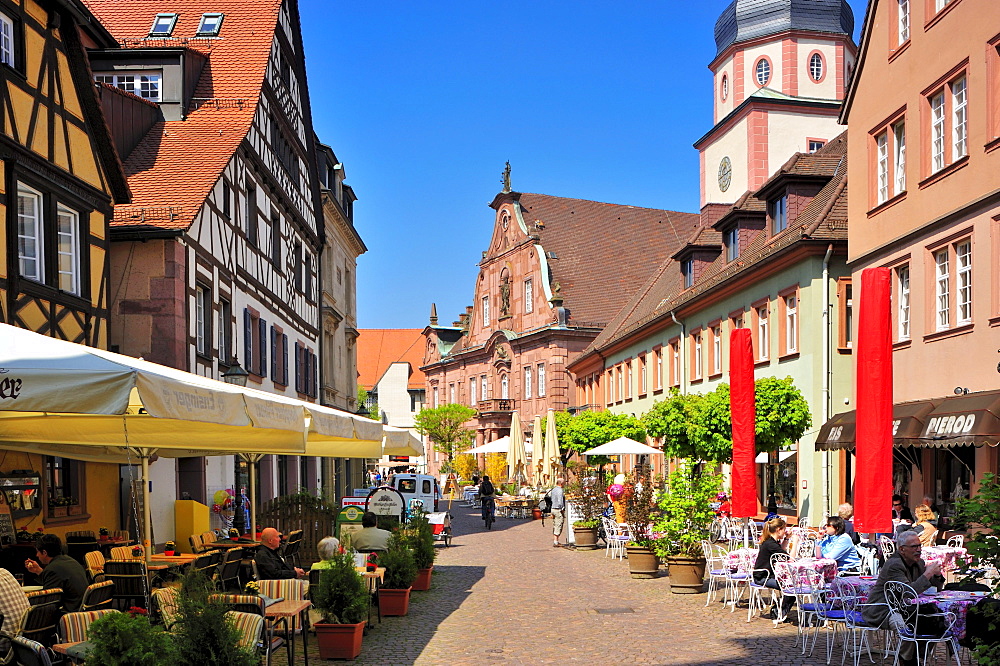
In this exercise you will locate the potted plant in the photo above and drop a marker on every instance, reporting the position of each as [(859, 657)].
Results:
[(104, 532), (128, 639), (341, 597), (643, 561), (204, 635), (422, 544), (685, 520), (400, 570), (588, 496)]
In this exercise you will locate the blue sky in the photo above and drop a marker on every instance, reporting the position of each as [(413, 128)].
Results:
[(423, 102)]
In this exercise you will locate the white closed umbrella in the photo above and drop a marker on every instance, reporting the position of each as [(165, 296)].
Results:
[(550, 464), (537, 442), (516, 456), (622, 446)]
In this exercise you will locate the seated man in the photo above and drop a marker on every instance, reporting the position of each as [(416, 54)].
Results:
[(370, 537), (13, 602), (904, 566), (60, 571), (270, 564)]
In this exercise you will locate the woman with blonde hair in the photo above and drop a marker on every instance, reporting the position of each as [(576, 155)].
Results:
[(923, 527), (771, 536), (846, 511)]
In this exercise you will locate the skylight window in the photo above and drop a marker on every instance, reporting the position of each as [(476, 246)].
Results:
[(210, 24), (163, 25)]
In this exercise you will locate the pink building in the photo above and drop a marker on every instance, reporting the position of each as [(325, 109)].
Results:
[(555, 272)]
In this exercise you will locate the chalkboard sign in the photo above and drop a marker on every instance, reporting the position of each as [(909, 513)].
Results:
[(7, 533)]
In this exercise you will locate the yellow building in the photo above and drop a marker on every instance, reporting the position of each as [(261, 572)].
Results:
[(60, 178)]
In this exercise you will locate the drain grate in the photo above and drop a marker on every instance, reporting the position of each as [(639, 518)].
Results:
[(494, 651), (612, 611)]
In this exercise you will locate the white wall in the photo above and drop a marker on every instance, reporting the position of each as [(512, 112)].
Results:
[(787, 134), (827, 88), (734, 145)]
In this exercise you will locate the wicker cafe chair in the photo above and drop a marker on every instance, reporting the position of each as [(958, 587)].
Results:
[(39, 621), (197, 546), (289, 588), (124, 553), (207, 563), (78, 549), (250, 627), (293, 545), (917, 627), (95, 565), (98, 596), (131, 581), (254, 605), (73, 627), (229, 571), (121, 534), (164, 602), (30, 653)]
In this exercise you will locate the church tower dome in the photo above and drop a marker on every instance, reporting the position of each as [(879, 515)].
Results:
[(744, 20)]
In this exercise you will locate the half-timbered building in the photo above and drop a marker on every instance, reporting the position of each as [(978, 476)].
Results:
[(60, 179), (216, 259)]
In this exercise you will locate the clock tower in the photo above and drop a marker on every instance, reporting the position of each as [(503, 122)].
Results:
[(779, 76)]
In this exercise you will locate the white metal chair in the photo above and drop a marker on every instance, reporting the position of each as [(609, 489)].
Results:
[(956, 541), (807, 548), (617, 537), (739, 579), (715, 565), (804, 522), (869, 563), (886, 547), (857, 627), (902, 600)]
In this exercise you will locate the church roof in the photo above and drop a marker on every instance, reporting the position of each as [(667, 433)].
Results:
[(749, 19), (602, 251)]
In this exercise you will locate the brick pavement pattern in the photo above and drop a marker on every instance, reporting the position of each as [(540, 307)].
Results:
[(507, 596)]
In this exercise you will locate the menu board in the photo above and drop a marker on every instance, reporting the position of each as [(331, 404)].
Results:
[(7, 534)]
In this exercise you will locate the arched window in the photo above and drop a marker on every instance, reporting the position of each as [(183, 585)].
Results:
[(762, 71), (724, 88), (504, 387), (816, 67)]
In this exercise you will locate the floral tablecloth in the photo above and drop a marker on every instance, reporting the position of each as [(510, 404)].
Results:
[(946, 555), (952, 601), (858, 587), (821, 565), (746, 554)]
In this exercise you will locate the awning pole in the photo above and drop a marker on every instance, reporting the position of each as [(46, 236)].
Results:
[(252, 468), (147, 520)]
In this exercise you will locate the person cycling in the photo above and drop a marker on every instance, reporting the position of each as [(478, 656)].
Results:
[(487, 495)]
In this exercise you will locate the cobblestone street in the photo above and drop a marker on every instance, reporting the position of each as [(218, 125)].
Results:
[(508, 596)]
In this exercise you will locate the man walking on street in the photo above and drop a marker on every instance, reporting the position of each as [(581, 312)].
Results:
[(558, 511)]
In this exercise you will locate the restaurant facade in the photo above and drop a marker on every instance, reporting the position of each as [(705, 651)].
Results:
[(924, 203)]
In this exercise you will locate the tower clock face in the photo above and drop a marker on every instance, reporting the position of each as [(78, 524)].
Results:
[(725, 174)]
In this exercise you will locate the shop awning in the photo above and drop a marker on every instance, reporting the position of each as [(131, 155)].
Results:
[(962, 420), (764, 458)]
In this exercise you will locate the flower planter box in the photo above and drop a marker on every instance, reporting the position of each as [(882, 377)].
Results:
[(394, 602), (422, 582), (339, 641), (75, 510), (58, 511)]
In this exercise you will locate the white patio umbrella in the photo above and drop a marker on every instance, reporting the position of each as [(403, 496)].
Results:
[(550, 464), (64, 399), (517, 459), (538, 443), (622, 446)]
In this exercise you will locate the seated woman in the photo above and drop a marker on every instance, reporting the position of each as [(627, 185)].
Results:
[(771, 537), (837, 545), (924, 527), (326, 549)]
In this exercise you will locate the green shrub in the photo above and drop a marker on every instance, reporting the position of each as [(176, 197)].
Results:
[(400, 567), (204, 635), (341, 596), (120, 639)]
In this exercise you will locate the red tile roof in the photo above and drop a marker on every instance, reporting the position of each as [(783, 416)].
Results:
[(168, 185), (604, 252), (378, 348)]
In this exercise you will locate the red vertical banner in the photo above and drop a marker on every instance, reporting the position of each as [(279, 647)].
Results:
[(873, 350), (743, 412)]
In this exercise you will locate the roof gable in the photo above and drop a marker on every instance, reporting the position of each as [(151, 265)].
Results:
[(378, 348)]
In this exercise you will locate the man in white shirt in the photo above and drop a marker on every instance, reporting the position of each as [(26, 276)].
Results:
[(558, 511)]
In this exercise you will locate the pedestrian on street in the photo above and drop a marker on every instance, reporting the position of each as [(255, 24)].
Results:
[(487, 495), (558, 511)]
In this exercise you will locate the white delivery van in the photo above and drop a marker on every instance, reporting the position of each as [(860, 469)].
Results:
[(422, 487)]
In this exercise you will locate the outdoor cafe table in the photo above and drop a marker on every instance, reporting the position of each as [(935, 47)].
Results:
[(821, 565), (226, 544), (953, 601), (946, 555), (77, 651), (856, 586), (291, 608), (733, 557), (180, 558)]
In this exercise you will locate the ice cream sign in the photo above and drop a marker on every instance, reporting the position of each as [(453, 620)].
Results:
[(386, 501)]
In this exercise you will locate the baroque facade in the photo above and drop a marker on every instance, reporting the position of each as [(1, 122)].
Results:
[(550, 280)]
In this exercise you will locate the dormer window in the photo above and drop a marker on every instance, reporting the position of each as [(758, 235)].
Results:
[(163, 25), (144, 84), (731, 239), (778, 209), (687, 270), (210, 24)]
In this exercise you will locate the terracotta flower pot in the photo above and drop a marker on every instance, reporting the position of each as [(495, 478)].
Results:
[(642, 562), (586, 538), (536, 514), (394, 602), (422, 582), (687, 574), (339, 641)]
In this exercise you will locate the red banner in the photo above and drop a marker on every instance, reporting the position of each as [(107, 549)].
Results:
[(873, 350), (743, 413)]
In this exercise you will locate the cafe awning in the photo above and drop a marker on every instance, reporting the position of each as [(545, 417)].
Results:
[(962, 420)]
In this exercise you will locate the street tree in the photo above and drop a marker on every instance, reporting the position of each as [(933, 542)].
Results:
[(445, 426), (589, 429)]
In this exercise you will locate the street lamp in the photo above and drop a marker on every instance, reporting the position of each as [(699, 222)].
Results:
[(235, 374)]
